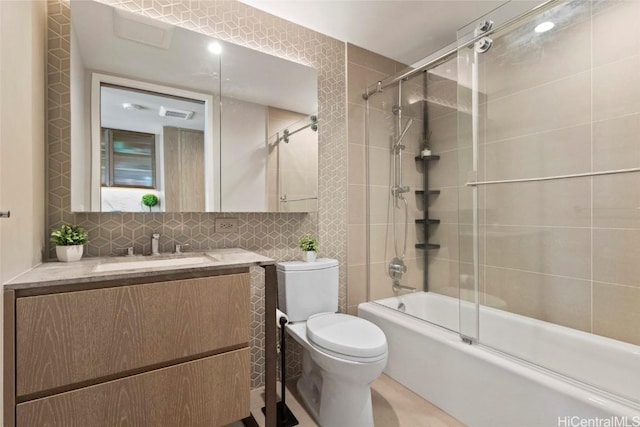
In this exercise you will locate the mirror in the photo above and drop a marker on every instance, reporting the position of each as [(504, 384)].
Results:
[(192, 123)]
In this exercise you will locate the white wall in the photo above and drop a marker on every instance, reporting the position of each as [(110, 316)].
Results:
[(22, 140), (80, 134), (22, 135), (119, 199), (244, 156)]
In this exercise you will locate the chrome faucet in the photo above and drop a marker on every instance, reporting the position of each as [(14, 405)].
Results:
[(181, 248), (129, 251), (397, 287), (155, 240)]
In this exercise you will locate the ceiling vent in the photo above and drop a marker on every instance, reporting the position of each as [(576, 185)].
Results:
[(141, 29), (175, 113)]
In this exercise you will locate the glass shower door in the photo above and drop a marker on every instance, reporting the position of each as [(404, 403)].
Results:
[(412, 152), (549, 169)]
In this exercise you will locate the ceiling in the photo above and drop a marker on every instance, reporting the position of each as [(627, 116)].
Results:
[(146, 118), (405, 30)]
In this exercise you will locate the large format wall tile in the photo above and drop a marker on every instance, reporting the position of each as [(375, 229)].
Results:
[(443, 276), (521, 58), (616, 88), (444, 206), (379, 166), (357, 164), (555, 203), (443, 132), (548, 250), (359, 77), (444, 172), (560, 300), (357, 289), (615, 256), (555, 152), (357, 244), (555, 105), (357, 204), (616, 201), (615, 143), (615, 31), (360, 57), (356, 120), (365, 68), (615, 312)]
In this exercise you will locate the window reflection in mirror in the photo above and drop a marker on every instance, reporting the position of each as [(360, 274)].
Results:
[(151, 143), (241, 99)]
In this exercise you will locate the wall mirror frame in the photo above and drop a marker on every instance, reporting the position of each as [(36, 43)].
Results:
[(259, 143)]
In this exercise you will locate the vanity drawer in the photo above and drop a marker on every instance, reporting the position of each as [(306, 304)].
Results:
[(78, 337), (213, 391)]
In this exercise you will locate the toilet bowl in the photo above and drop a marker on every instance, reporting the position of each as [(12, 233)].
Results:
[(336, 377), (343, 354)]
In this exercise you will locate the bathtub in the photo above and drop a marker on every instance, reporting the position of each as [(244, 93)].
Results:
[(485, 388)]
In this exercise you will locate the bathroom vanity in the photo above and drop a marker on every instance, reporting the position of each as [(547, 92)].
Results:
[(110, 340)]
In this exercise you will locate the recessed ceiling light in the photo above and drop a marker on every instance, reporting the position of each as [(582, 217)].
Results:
[(543, 27), (132, 107), (215, 48)]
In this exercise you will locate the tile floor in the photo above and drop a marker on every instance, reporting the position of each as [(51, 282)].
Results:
[(393, 406)]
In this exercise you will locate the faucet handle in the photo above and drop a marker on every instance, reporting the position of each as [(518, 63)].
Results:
[(129, 251), (155, 236), (180, 248)]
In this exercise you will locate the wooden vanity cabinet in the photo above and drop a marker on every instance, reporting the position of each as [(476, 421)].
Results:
[(167, 353)]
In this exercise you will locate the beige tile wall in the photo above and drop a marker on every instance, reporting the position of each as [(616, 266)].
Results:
[(566, 102), (563, 102), (444, 270), (274, 235), (364, 68)]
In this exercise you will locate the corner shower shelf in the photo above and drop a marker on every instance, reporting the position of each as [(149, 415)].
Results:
[(427, 221), (431, 157), (427, 246)]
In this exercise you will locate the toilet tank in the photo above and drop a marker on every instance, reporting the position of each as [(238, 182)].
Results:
[(306, 288)]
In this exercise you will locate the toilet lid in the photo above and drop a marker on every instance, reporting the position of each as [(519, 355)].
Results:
[(345, 334)]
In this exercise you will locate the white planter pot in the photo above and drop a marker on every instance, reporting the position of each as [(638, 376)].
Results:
[(310, 256), (69, 253)]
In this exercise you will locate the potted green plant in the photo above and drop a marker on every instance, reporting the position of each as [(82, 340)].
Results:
[(150, 200), (69, 240), (309, 245)]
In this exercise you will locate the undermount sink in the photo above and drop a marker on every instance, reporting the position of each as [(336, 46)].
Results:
[(151, 263)]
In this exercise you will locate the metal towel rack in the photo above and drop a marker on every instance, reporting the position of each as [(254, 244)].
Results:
[(283, 199), (549, 178)]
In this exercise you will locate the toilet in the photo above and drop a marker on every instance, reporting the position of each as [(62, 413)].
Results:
[(343, 354)]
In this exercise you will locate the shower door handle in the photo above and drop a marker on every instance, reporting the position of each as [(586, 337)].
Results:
[(5, 214)]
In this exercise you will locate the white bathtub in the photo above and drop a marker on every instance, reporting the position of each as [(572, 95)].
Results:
[(485, 388)]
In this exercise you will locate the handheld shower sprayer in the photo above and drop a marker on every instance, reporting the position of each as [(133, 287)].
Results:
[(398, 145)]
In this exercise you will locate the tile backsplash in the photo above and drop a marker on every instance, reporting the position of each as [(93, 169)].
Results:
[(271, 234)]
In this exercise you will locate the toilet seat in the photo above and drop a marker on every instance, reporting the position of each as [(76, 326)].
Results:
[(348, 337)]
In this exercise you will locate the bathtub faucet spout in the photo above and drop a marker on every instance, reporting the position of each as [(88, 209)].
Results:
[(397, 287)]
